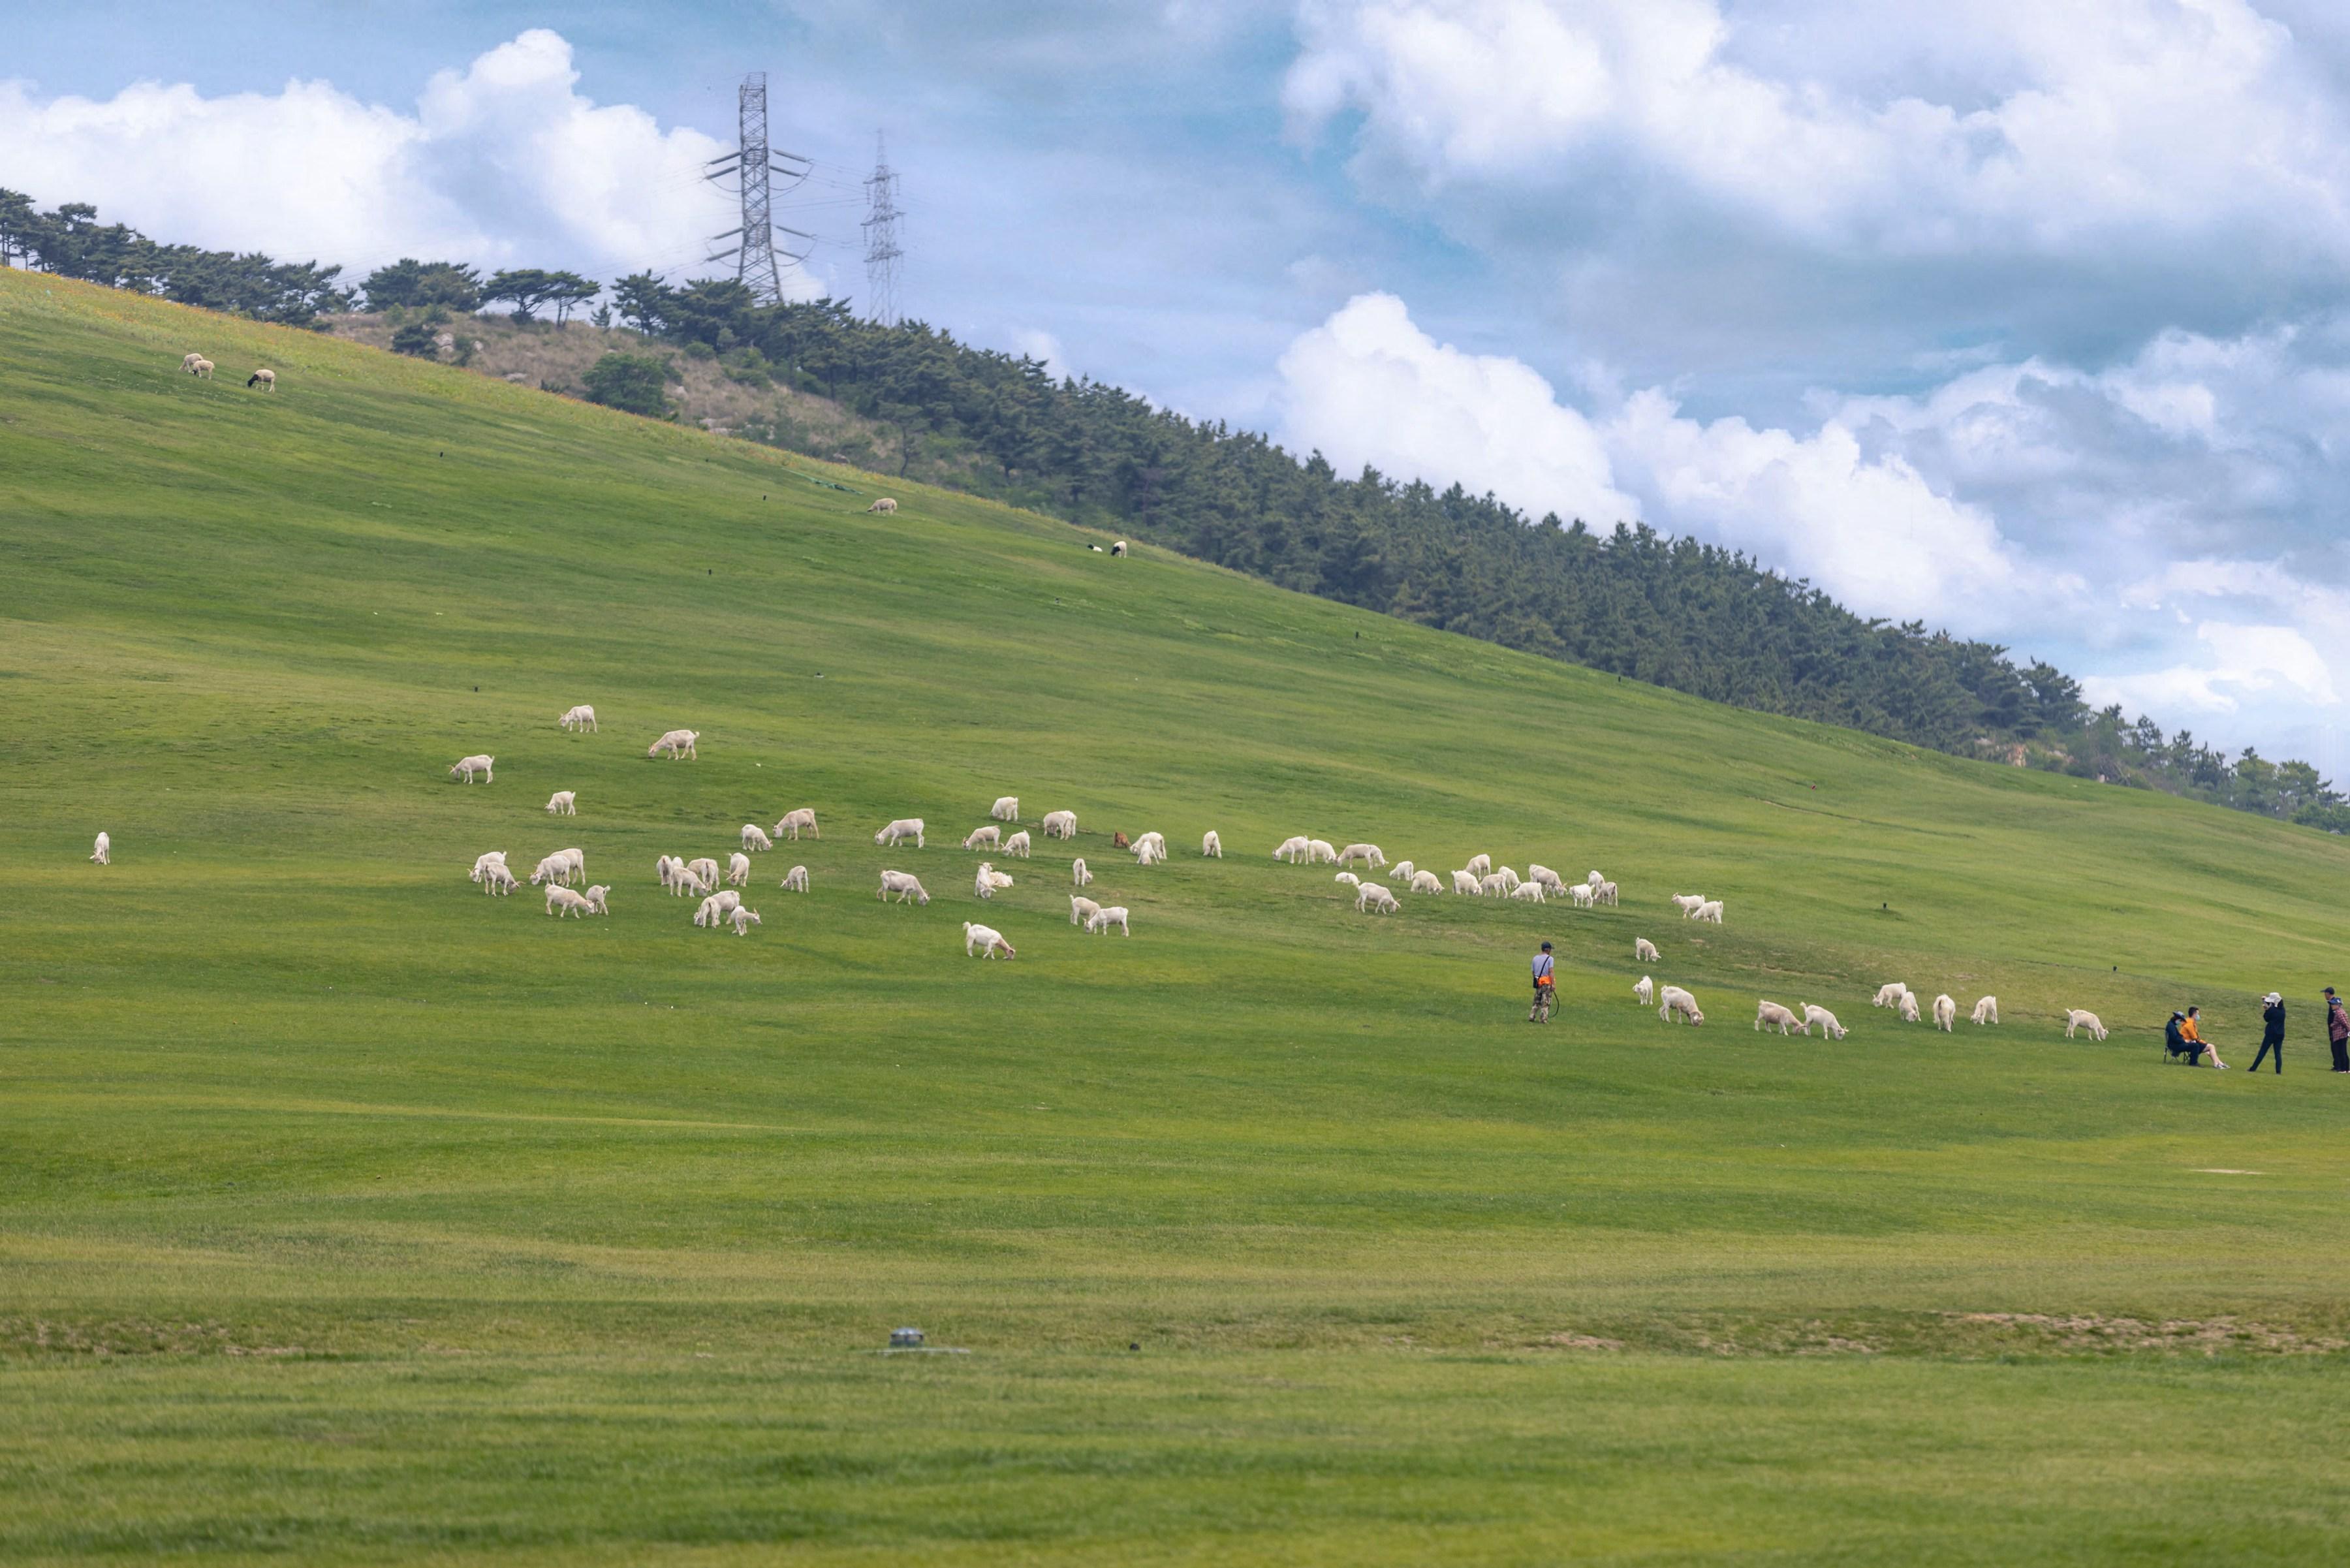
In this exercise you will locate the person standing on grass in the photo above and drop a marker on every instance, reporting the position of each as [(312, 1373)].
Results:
[(2272, 1030), (1545, 987), (2337, 1031)]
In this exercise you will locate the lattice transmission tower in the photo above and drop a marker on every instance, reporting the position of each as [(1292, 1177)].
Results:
[(883, 251), (754, 163)]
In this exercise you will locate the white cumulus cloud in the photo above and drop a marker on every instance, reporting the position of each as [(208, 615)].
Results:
[(501, 163)]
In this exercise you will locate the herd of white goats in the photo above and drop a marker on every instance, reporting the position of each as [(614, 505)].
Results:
[(723, 904)]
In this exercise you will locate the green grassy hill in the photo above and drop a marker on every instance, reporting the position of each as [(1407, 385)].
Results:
[(348, 1215)]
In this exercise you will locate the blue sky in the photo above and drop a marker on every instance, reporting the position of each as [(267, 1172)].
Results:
[(2020, 317)]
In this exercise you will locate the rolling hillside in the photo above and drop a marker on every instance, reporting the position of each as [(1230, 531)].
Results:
[(351, 1216)]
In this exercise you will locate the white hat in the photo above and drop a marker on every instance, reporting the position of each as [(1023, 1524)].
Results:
[(2272, 996)]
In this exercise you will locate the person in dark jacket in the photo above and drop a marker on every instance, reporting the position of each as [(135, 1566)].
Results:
[(2337, 1031), (2272, 1030)]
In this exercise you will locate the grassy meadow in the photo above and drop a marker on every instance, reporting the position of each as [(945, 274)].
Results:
[(348, 1215)]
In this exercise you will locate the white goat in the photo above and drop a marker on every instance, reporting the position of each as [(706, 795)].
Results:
[(1349, 878), (1987, 1010), (1510, 878), (482, 863), (754, 837), (1401, 871), (1673, 1002), (1604, 893), (1773, 1013), (1908, 1008), (905, 885), (1005, 809), (102, 852), (738, 869), (1371, 897), (1643, 950), (1465, 884), (677, 743), (2075, 1018), (1149, 850), (481, 763), (987, 881), (1102, 920), (744, 919), (1594, 879), (190, 361), (705, 870), (986, 837), (1080, 908), (1825, 1019), (1551, 880), (1687, 903), (1060, 824), (562, 803), (1077, 872), (796, 880), (1318, 852), (897, 832), (1946, 1012), (596, 897), (1212, 846), (1528, 893), (1480, 864), (1711, 911), (1645, 993), (562, 901), (984, 942), (496, 879), (1293, 849), (1426, 882), (1581, 892), (885, 505), (794, 823), (581, 718), (1017, 844), (1492, 887), (202, 367), (1890, 993), (264, 377), (1370, 854)]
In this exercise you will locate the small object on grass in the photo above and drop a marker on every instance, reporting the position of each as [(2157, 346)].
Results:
[(1136, 1344), (905, 1339)]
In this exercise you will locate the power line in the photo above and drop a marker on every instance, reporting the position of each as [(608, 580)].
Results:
[(882, 252), (752, 163)]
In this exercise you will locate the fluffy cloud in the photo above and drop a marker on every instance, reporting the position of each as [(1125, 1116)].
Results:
[(1368, 385), (2032, 126), (503, 163), (2240, 662)]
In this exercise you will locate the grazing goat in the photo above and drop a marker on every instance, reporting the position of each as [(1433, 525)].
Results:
[(738, 869), (795, 823), (202, 367), (1890, 993), (1551, 880), (905, 885), (266, 379), (1370, 854), (1293, 849), (481, 864), (1017, 844), (1594, 879), (1643, 950), (1349, 878), (2077, 1019), (677, 743), (496, 879), (1077, 872), (796, 880), (596, 897), (562, 901), (754, 837), (884, 505), (1687, 903), (703, 870), (1060, 824), (1645, 993), (984, 942), (189, 362), (1372, 896), (1673, 1002), (1528, 893), (102, 852), (1825, 1019), (1149, 850), (1426, 882), (744, 919), (1212, 846), (1118, 548), (897, 832), (1318, 852), (1081, 909), (562, 803), (1582, 894), (1465, 884), (1005, 809), (986, 837), (466, 767), (1492, 887), (1401, 871), (1773, 1013), (1711, 911), (1946, 1012), (1987, 1010), (581, 718), (1908, 1008), (1604, 893), (1480, 864), (1103, 918), (1510, 878)]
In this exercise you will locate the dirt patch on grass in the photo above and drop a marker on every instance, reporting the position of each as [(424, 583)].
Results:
[(37, 1336), (2078, 1332)]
